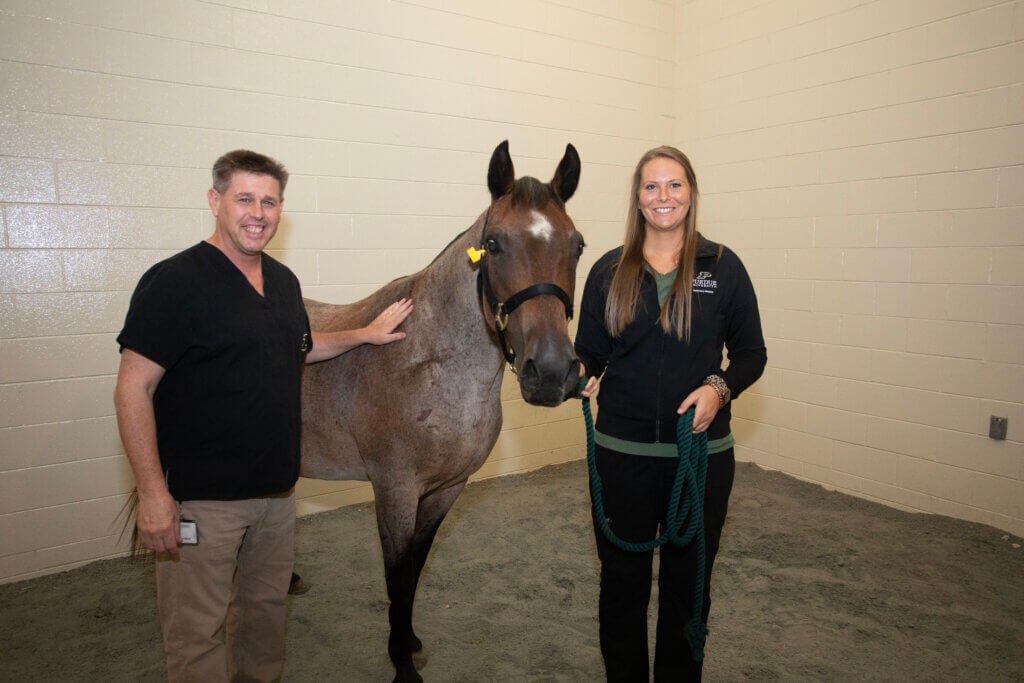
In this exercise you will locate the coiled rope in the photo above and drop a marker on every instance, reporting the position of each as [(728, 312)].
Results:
[(685, 504)]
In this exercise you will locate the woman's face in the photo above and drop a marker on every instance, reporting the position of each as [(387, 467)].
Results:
[(663, 195)]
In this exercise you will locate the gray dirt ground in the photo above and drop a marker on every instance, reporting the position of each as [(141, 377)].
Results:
[(809, 586)]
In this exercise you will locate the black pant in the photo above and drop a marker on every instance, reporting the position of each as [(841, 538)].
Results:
[(636, 491)]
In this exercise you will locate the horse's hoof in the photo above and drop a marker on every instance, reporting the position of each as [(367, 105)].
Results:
[(417, 644), (408, 675), (297, 585)]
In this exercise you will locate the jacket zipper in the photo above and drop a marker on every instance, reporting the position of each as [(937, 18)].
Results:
[(657, 403)]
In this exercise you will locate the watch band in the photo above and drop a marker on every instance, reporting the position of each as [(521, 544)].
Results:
[(717, 382)]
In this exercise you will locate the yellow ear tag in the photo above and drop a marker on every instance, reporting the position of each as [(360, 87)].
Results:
[(475, 254)]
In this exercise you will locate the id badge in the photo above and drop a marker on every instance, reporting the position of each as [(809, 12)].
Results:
[(189, 532)]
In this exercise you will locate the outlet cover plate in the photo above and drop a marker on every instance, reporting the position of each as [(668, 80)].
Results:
[(997, 428)]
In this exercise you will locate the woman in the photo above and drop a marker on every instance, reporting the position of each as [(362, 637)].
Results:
[(655, 315)]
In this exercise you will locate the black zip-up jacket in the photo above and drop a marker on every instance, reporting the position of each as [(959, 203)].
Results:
[(648, 373)]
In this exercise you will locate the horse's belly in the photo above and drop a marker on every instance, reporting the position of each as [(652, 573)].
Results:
[(331, 455)]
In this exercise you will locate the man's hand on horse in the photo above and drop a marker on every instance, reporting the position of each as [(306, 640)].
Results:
[(381, 330)]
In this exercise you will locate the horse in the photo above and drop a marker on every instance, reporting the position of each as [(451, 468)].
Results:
[(417, 417)]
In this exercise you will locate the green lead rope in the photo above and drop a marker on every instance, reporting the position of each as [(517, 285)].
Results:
[(685, 504)]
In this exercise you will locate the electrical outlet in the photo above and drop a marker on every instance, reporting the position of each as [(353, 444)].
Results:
[(997, 428)]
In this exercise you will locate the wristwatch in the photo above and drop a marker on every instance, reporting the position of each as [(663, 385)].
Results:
[(719, 385)]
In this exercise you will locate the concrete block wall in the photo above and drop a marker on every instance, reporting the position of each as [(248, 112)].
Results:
[(386, 113), (866, 160), (863, 157)]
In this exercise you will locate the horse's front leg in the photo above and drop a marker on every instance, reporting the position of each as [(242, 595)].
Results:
[(396, 522), (431, 512)]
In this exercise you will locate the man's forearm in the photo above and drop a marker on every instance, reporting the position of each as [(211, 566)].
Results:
[(327, 345), (137, 424), (157, 521), (381, 330)]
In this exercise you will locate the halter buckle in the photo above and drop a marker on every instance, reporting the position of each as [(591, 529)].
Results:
[(500, 317)]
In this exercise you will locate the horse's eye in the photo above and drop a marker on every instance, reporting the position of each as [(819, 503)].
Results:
[(579, 249), (492, 246)]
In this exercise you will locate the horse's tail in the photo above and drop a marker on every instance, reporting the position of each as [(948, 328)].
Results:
[(130, 513)]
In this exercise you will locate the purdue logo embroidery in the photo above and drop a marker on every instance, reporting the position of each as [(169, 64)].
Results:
[(703, 283), (305, 343)]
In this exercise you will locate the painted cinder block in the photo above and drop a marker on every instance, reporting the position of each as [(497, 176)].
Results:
[(53, 226), (30, 270), (960, 265), (122, 185), (875, 332), (811, 326), (1006, 266), (844, 297), (46, 358), (46, 136), (50, 313), (306, 230), (946, 338), (979, 452), (1004, 343), (350, 266), (27, 180), (984, 379), (838, 425), (806, 448), (755, 435), (880, 492), (841, 361), (861, 461), (60, 484), (916, 229), (90, 48), (911, 370), (876, 264), (785, 294), (997, 227), (814, 264), (899, 436), (55, 401), (157, 228), (807, 388), (791, 355), (27, 565), (846, 231), (56, 442), (1001, 304), (50, 527), (94, 270)]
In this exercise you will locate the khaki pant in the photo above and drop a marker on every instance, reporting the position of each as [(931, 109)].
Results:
[(222, 605)]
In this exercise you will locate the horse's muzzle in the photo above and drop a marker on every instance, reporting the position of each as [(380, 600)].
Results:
[(549, 381)]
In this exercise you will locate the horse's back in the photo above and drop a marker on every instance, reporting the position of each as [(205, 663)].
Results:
[(325, 317)]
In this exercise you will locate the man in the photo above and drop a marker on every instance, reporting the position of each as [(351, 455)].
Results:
[(208, 406)]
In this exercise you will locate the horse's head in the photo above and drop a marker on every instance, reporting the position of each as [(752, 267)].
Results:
[(529, 250)]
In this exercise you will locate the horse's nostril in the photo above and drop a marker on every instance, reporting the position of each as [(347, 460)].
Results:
[(529, 370)]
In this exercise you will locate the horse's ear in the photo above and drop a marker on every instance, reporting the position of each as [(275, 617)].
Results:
[(500, 174), (567, 175)]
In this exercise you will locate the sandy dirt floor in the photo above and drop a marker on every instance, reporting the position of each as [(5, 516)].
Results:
[(809, 585)]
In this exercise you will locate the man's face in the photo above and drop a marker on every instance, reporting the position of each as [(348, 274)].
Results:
[(247, 213)]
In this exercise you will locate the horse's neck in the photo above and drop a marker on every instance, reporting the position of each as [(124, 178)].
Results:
[(450, 285)]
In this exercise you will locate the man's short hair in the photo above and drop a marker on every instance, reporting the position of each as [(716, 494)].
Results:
[(248, 162)]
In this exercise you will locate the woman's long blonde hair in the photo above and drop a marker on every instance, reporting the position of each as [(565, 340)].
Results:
[(624, 295)]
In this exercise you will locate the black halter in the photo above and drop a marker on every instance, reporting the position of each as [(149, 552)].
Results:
[(502, 309)]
